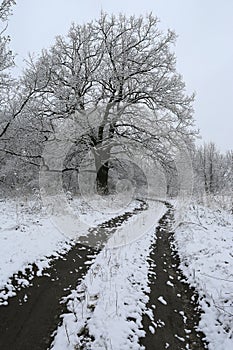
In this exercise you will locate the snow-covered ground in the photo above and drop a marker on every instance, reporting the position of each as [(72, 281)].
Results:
[(112, 296), (28, 235), (107, 306), (204, 239)]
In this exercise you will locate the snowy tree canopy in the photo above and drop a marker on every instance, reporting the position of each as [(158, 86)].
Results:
[(122, 69)]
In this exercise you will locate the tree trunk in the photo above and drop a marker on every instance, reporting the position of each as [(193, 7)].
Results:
[(102, 170), (211, 177), (102, 179), (206, 183)]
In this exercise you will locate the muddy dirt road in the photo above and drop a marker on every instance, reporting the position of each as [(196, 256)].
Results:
[(32, 316), (173, 304)]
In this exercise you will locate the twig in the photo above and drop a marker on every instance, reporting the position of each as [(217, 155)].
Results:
[(217, 278), (190, 222), (67, 333)]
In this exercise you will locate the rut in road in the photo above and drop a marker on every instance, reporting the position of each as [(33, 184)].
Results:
[(29, 325), (174, 314)]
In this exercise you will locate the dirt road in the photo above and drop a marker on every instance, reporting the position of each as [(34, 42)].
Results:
[(32, 316), (173, 304)]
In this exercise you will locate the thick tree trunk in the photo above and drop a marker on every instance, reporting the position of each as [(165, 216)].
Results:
[(102, 156), (102, 170), (102, 179)]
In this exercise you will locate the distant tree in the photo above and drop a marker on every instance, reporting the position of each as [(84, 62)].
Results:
[(6, 62), (14, 97), (5, 9), (15, 126), (205, 161), (213, 170), (123, 69)]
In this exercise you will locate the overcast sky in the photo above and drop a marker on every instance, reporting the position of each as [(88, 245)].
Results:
[(204, 46)]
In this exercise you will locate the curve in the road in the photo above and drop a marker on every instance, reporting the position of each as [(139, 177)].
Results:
[(33, 315)]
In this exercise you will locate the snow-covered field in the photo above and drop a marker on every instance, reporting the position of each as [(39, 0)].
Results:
[(107, 306), (204, 239), (28, 235)]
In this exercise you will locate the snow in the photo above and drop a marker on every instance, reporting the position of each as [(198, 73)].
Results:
[(152, 330), (170, 284), (28, 236), (107, 306), (25, 238), (162, 300), (180, 338), (204, 239)]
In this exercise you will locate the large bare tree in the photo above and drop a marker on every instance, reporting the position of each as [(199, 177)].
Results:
[(123, 70)]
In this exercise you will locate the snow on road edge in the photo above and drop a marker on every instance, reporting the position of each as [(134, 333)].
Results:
[(204, 240)]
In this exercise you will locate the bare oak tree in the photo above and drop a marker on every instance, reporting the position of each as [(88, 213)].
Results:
[(124, 69)]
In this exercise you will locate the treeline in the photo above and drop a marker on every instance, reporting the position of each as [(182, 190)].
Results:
[(213, 170)]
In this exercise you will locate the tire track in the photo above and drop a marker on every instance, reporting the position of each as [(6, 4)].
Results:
[(173, 312), (33, 315)]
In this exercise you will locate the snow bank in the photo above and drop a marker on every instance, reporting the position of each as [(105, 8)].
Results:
[(26, 237), (204, 240)]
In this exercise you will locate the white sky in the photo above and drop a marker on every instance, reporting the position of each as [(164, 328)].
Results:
[(204, 46)]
